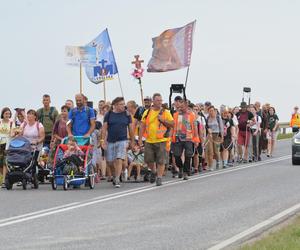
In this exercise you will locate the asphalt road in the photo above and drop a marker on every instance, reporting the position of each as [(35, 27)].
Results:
[(194, 214)]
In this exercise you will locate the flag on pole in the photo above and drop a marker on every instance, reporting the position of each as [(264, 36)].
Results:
[(105, 66), (172, 50)]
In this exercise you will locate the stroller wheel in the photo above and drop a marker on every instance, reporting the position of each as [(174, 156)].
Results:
[(35, 181), (66, 185), (92, 181), (24, 184), (8, 184), (53, 183)]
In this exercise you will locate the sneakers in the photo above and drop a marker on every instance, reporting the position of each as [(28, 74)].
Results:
[(158, 181), (3, 185), (180, 174), (117, 185), (152, 177), (185, 177)]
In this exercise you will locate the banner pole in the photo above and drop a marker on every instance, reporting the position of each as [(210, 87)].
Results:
[(80, 78), (120, 85), (141, 89), (187, 75)]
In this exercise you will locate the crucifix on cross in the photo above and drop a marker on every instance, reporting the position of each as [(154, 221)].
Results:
[(137, 62), (103, 70)]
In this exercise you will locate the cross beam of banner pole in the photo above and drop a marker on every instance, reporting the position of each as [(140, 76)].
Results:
[(138, 73)]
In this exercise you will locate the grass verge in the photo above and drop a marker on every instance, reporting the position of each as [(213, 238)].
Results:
[(284, 136), (287, 237)]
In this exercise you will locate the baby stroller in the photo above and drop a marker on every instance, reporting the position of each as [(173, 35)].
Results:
[(66, 172), (20, 162)]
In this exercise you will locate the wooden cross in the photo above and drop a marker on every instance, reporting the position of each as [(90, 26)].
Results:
[(137, 62)]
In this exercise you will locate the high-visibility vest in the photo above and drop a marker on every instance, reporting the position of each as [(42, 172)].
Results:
[(160, 129), (189, 132), (295, 120)]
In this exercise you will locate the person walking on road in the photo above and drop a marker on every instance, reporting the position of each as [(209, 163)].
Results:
[(295, 120), (81, 119), (154, 125), (47, 115), (244, 118), (272, 130), (117, 124), (184, 138)]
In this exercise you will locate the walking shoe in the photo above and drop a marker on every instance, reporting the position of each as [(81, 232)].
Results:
[(230, 164), (3, 185), (245, 161), (158, 181), (117, 184), (185, 177), (259, 158), (180, 174), (152, 177)]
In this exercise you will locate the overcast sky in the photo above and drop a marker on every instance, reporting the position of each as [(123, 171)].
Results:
[(252, 43)]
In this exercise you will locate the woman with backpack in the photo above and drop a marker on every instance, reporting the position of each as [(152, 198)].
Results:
[(6, 132), (215, 136)]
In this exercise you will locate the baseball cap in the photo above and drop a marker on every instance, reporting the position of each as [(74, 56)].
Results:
[(147, 98)]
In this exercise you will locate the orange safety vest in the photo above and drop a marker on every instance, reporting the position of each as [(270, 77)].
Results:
[(189, 132), (295, 120), (160, 129)]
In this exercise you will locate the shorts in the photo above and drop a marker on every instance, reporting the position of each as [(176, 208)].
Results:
[(116, 150), (187, 146), (272, 135), (199, 150), (156, 153), (243, 138), (227, 144), (97, 155)]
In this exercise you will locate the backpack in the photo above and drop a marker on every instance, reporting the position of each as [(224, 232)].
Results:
[(219, 119), (51, 116), (74, 112)]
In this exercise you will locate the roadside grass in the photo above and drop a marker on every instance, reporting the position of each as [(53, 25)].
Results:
[(288, 237), (284, 136)]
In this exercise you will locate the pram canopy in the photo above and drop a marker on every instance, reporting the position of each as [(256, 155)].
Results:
[(19, 152)]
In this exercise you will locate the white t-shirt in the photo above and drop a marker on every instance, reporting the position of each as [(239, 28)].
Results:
[(5, 130), (257, 120), (31, 133), (235, 120)]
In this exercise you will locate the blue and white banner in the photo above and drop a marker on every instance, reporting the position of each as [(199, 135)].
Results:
[(105, 66)]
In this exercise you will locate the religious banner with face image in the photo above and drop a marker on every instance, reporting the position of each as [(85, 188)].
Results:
[(172, 49)]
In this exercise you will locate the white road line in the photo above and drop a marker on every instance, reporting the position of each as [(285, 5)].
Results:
[(101, 199), (257, 227)]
